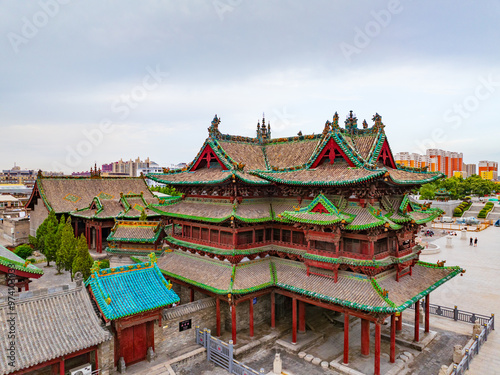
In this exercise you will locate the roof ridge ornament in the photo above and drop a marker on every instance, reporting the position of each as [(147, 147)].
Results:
[(213, 130), (95, 173), (335, 123), (263, 132), (351, 123), (327, 128), (378, 122)]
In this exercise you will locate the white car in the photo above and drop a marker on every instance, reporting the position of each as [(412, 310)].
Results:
[(447, 219)]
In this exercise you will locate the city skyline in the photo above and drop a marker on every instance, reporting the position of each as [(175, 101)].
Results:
[(86, 84)]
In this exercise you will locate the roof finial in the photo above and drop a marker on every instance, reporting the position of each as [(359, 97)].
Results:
[(213, 130), (335, 123)]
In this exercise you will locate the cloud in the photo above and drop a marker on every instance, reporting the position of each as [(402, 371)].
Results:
[(281, 58)]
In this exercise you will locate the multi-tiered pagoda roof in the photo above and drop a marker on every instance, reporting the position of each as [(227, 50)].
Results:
[(335, 204)]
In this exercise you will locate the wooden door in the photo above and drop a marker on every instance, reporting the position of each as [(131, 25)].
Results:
[(140, 342), (134, 343)]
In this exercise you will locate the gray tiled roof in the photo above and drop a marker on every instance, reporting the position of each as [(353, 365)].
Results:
[(49, 326)]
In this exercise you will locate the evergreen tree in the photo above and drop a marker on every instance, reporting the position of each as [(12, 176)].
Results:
[(83, 261), (59, 261), (40, 236), (143, 216), (50, 238), (67, 248)]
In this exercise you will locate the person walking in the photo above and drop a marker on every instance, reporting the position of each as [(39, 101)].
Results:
[(470, 242), (475, 242)]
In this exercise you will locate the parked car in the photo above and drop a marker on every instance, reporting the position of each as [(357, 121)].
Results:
[(468, 221), (447, 219)]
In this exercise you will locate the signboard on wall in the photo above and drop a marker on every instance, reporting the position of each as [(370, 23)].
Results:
[(254, 300), (184, 325)]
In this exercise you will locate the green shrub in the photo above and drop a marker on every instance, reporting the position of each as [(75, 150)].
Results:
[(24, 251), (461, 208), (31, 260), (104, 264)]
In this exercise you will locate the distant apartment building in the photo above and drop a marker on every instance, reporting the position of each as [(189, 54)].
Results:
[(435, 160), (414, 160), (18, 176), (469, 169), (488, 170), (131, 168)]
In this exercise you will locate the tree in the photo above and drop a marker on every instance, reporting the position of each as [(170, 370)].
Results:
[(67, 248), (83, 261), (143, 216), (50, 238), (40, 236), (166, 189), (428, 191), (23, 251), (58, 259)]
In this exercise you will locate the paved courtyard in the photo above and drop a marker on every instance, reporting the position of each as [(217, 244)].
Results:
[(477, 291)]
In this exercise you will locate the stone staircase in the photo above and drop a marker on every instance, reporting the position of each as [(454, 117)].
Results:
[(474, 209), (494, 213)]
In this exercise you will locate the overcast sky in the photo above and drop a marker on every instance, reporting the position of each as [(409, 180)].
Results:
[(94, 81)]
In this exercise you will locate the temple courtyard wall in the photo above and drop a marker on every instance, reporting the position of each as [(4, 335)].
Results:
[(170, 339)]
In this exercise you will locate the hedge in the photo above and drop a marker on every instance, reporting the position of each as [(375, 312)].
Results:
[(461, 208), (485, 210)]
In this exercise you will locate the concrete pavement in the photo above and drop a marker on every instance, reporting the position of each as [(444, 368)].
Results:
[(477, 291)]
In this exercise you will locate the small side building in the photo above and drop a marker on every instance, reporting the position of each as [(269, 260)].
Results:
[(132, 299), (54, 333), (136, 238), (15, 271)]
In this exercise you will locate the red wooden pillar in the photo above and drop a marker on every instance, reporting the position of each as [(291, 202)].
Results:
[(302, 317), (427, 314), (392, 355), (87, 234), (417, 321), (99, 240), (233, 323), (377, 348), (346, 338), (365, 337), (294, 320), (27, 285), (250, 312), (76, 229), (61, 367), (191, 295), (217, 304), (273, 310), (399, 323)]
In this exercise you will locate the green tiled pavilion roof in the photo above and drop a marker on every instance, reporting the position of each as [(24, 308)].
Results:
[(9, 259), (129, 290), (135, 231), (289, 160), (355, 217), (352, 290)]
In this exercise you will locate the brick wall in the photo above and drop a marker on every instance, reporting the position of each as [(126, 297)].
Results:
[(261, 313), (37, 216), (202, 313), (15, 231), (106, 356)]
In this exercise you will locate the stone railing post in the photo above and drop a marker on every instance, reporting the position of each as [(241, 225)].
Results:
[(455, 313), (209, 338), (230, 359)]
